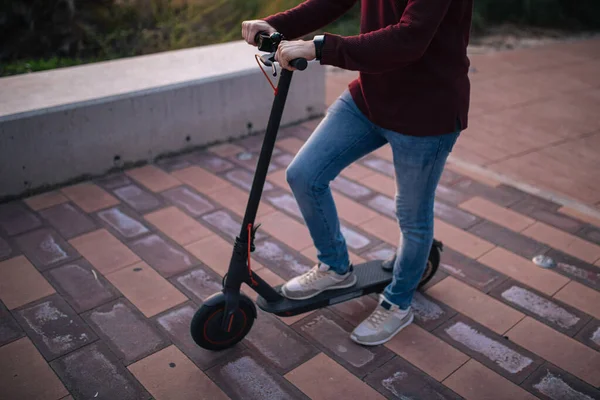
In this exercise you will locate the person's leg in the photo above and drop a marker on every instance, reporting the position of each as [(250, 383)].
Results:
[(418, 162), (344, 136)]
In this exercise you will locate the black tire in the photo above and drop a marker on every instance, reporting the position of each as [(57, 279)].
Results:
[(206, 324), (433, 264)]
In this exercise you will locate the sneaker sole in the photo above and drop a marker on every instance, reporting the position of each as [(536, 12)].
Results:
[(357, 340), (345, 286)]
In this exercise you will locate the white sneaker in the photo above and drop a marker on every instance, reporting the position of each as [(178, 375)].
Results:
[(383, 324), (319, 279)]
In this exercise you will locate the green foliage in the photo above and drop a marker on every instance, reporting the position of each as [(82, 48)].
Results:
[(44, 34)]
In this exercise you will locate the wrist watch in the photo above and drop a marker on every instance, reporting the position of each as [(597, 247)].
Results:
[(318, 40)]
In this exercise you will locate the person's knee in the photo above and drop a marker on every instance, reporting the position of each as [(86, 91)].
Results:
[(296, 176)]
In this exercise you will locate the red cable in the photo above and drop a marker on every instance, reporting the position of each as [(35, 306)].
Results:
[(265, 74)]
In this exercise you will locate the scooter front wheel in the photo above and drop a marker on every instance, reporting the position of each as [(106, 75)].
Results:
[(207, 329)]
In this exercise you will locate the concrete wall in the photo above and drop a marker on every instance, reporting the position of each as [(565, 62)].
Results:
[(59, 125)]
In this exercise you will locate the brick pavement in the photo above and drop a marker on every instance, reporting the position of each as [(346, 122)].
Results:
[(99, 281)]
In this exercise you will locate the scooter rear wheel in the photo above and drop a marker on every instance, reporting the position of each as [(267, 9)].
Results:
[(206, 327), (432, 266)]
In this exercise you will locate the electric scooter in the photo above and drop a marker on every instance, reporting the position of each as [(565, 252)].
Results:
[(226, 317)]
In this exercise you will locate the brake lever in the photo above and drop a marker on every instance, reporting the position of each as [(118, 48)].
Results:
[(269, 61)]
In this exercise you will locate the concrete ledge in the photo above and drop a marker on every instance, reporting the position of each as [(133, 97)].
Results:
[(59, 125)]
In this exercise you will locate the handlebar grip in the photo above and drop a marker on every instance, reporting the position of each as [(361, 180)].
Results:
[(299, 63)]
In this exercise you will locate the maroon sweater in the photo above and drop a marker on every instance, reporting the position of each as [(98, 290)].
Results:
[(411, 55)]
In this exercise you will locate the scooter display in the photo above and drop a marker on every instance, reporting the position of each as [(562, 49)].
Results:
[(226, 317)]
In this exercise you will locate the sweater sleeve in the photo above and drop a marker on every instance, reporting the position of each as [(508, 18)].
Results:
[(308, 16), (391, 47)]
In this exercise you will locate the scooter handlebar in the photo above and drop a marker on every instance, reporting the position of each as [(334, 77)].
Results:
[(269, 43)]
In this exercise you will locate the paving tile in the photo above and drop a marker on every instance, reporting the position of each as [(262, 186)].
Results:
[(576, 269), (162, 255), (45, 200), (484, 309), (548, 213), (172, 163), (247, 377), (24, 374), (214, 252), (283, 160), (236, 200), (558, 349), (211, 162), (281, 260), (580, 215), (566, 242), (322, 378), (122, 222), (284, 348), (580, 297), (356, 172), (93, 372), (113, 181), (497, 214), (450, 195), (169, 374), (331, 334), (155, 179), (146, 289), (590, 233), (81, 286), (54, 327), (199, 283), (427, 352), (226, 149), (380, 183), (379, 165), (590, 334), (89, 197), (470, 271), (180, 227), (128, 334), (523, 270), (200, 179), (454, 216), (429, 313), (285, 202), (384, 205), (552, 383), (104, 251), (290, 144), (68, 220), (460, 240), (350, 188), (474, 175), (510, 240), (188, 200), (502, 195), (244, 179), (176, 324), (6, 250), (398, 379), (489, 348), (552, 312), (249, 160), (384, 152), (383, 228), (137, 198), (355, 310), (9, 328), (15, 218), (21, 283), (45, 248), (227, 224), (286, 229), (474, 381)]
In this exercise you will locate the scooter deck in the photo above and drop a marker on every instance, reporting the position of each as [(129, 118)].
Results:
[(370, 278)]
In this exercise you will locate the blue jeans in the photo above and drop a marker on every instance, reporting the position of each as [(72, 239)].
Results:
[(344, 136)]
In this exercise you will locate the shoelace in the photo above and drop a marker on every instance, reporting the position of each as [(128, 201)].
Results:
[(378, 316), (311, 276)]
